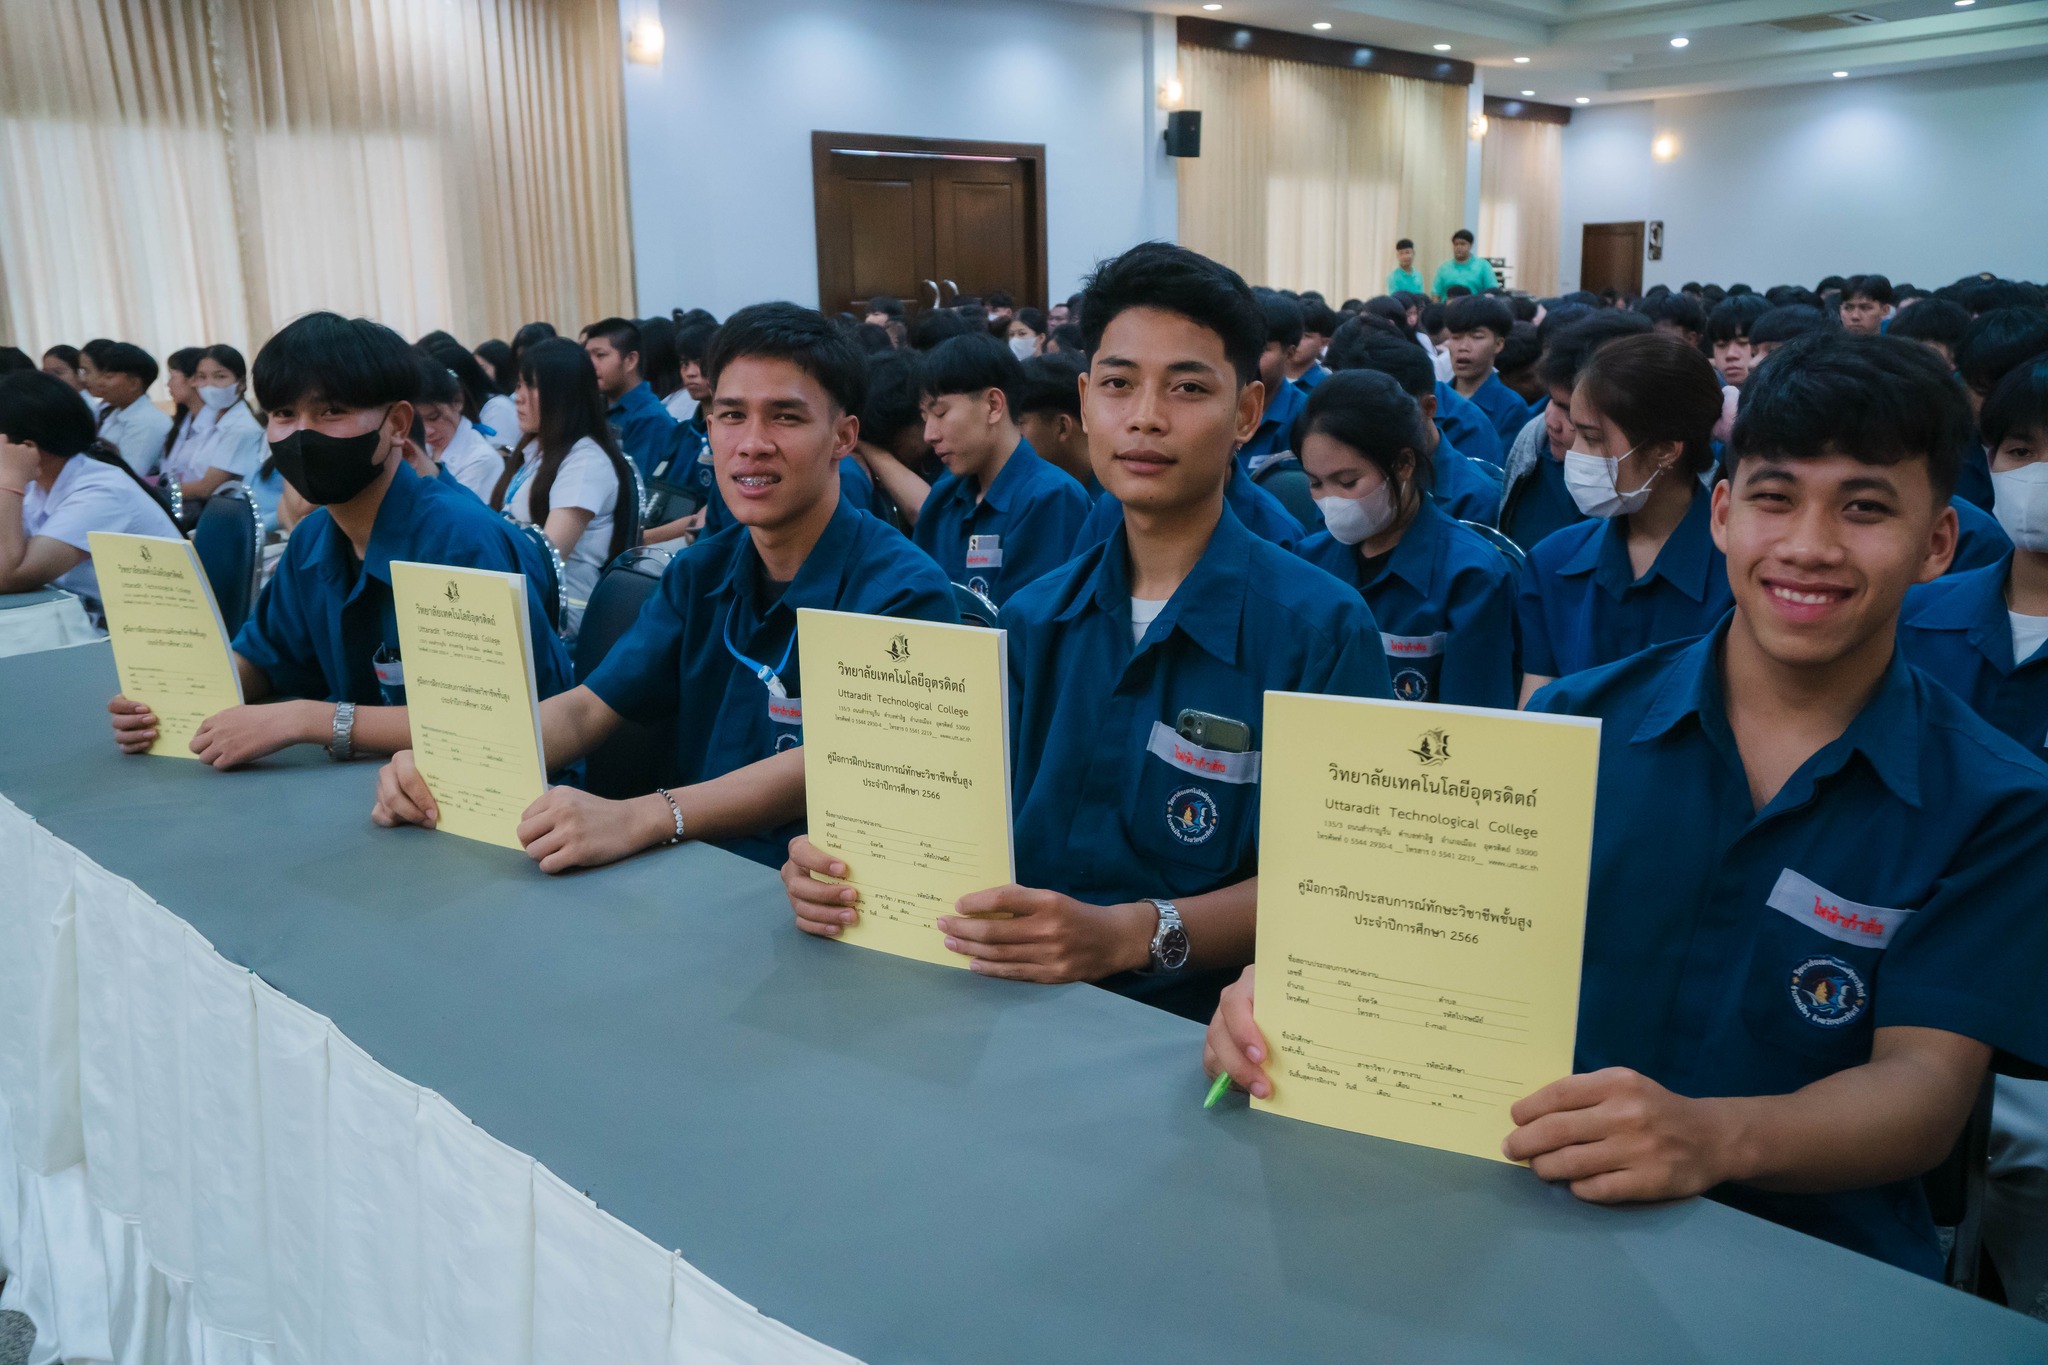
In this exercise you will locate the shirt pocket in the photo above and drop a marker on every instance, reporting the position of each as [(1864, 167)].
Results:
[(1194, 807), (1416, 663), (1811, 983)]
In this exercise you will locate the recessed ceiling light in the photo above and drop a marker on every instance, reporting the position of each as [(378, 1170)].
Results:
[(1582, 100), (1212, 7), (1320, 25), (1965, 4), (1521, 61), (1840, 74), (1527, 93), (1680, 42), (1442, 47)]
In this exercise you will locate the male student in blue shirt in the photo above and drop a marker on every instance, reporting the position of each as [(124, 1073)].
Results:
[(1284, 401), (999, 516), (715, 647), (1138, 670), (1305, 369), (647, 430), (1467, 424), (1815, 903), (321, 649), (1464, 490), (1479, 327)]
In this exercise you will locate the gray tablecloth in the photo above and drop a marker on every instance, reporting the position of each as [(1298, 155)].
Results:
[(911, 1163)]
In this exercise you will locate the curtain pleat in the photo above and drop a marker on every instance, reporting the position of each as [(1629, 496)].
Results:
[(177, 172), (1309, 174), (1520, 208)]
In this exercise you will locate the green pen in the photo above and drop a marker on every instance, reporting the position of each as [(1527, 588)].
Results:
[(1216, 1091)]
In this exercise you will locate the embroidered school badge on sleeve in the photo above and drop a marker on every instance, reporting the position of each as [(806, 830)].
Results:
[(1192, 816), (1828, 992)]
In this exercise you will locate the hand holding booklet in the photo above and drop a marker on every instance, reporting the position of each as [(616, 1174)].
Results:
[(171, 648)]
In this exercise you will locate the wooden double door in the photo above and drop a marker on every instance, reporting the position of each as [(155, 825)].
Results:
[(927, 221), (1611, 257)]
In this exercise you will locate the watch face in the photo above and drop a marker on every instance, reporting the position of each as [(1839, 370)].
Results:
[(1173, 949)]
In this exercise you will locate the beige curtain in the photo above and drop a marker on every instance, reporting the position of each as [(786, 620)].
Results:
[(1309, 174), (1520, 213), (175, 172)]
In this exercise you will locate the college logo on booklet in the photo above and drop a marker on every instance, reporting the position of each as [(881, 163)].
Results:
[(1411, 685), (899, 648), (1828, 992), (452, 592), (1433, 748), (1192, 816), (143, 550)]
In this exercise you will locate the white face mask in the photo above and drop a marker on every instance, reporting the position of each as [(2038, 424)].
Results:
[(2021, 504), (1353, 521), (1023, 347), (1590, 479), (218, 397)]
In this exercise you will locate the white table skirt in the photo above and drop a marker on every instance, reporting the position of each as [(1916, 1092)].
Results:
[(38, 626), (195, 1169)]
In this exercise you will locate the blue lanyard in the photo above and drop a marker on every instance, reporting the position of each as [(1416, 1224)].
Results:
[(771, 678)]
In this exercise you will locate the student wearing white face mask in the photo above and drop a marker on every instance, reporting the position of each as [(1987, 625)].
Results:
[(1026, 333), (225, 441), (1444, 598), (1643, 569)]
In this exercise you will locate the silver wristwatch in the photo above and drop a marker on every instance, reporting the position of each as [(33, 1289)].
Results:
[(1169, 940), (342, 746)]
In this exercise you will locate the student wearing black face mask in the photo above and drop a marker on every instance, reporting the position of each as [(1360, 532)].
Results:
[(322, 645)]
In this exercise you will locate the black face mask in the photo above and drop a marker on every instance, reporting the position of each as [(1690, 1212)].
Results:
[(325, 469)]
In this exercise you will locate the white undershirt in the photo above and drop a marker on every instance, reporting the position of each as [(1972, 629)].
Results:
[(1143, 613), (2028, 634)]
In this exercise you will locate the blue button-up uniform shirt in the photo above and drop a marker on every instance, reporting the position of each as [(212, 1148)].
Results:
[(1023, 526), (647, 430), (1582, 605), (1507, 410), (321, 621), (1315, 374), (1980, 540), (1539, 504), (1956, 630), (676, 662), (1275, 433), (1445, 604), (1461, 487), (1264, 515), (1468, 426), (1897, 879)]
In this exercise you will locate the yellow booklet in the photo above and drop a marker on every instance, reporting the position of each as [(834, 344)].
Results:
[(907, 768), (1422, 909), (466, 648), (171, 649)]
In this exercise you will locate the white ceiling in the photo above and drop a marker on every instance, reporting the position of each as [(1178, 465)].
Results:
[(1609, 51)]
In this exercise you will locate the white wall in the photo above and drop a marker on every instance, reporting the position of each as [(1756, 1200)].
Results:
[(1922, 177), (718, 136)]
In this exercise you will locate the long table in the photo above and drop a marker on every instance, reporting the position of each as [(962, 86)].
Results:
[(906, 1162)]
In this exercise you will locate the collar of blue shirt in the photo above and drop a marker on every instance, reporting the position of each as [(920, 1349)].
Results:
[(638, 397), (1972, 601), (817, 583), (1683, 562), (1281, 409), (1416, 558), (1886, 731), (1019, 472), (1209, 604), (398, 517)]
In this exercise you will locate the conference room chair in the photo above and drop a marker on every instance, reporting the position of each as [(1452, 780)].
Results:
[(1490, 469), (553, 591), (1515, 555), (1286, 480), (228, 539), (974, 607), (637, 758), (1955, 1195)]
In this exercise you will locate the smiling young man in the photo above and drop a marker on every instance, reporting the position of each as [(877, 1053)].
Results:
[(1000, 516), (1815, 903), (338, 394), (715, 648), (647, 430), (1138, 670)]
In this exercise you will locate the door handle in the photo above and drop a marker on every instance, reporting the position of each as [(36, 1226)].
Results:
[(933, 285), (956, 290)]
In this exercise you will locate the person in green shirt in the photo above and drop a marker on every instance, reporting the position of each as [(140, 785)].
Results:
[(1403, 278), (1474, 272)]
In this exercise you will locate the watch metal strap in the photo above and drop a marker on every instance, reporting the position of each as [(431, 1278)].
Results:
[(342, 745)]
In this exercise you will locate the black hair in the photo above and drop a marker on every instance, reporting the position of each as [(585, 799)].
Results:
[(1520, 351), (1876, 288), (42, 408), (1319, 318), (660, 366), (1834, 282), (67, 354), (96, 348), (693, 341), (2018, 405), (1462, 235), (228, 358), (1352, 306), (185, 360), (1523, 307), (1556, 319), (1477, 313), (1034, 318), (469, 376), (1787, 323), (1068, 337), (572, 409), (1584, 297), (622, 334), (873, 339), (936, 325), (434, 338), (1361, 345), (125, 357), (1172, 278), (1996, 342), (1387, 309), (1052, 384), (1981, 296), (1456, 292), (1876, 399), (13, 358), (1566, 353), (1000, 298), (885, 305), (804, 337), (1657, 388), (1680, 310), (1932, 319), (1733, 317), (438, 383), (892, 398), (350, 362), (973, 363), (1372, 413), (1405, 244), (526, 336), (1283, 318), (503, 374), (1431, 320), (1791, 295)]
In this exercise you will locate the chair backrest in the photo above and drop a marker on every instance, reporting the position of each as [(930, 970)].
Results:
[(974, 607), (1515, 555), (641, 503), (667, 501), (1286, 480), (544, 564), (635, 758), (171, 494), (1490, 469), (229, 543), (1955, 1192)]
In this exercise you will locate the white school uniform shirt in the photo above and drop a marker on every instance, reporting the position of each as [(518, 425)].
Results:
[(90, 495), (585, 479), (229, 438), (680, 405), (501, 415), (182, 443), (473, 461), (138, 431)]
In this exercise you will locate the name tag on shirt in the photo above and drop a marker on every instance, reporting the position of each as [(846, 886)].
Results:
[(1193, 758), (390, 672), (1822, 911), (786, 710), (984, 552), (1414, 646)]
